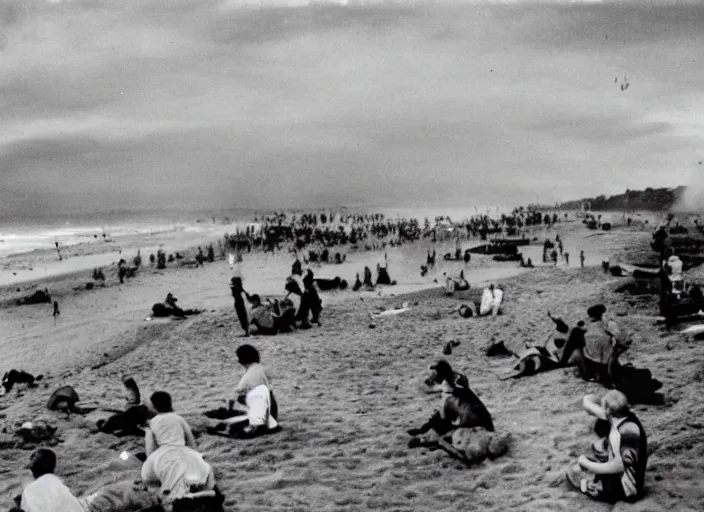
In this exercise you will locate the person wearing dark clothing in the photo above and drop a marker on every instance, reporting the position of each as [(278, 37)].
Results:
[(357, 284), (310, 302), (239, 294), (368, 278)]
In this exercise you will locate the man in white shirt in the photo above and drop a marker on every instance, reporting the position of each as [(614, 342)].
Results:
[(47, 493)]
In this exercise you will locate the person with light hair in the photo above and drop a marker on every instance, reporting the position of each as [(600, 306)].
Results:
[(616, 472)]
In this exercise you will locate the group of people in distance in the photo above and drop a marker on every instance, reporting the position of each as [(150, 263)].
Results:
[(382, 278)]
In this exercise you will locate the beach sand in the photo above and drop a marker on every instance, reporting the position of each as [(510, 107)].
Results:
[(348, 393)]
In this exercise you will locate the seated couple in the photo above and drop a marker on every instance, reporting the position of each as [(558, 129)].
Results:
[(174, 479), (272, 318), (253, 410), (616, 470)]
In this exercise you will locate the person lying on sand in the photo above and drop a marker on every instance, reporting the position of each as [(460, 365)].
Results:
[(170, 308), (616, 472), (185, 481), (166, 427), (47, 493), (539, 358), (9, 379), (254, 397)]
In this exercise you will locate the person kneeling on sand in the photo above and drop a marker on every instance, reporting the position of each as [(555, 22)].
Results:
[(166, 427), (617, 471), (186, 482), (252, 396)]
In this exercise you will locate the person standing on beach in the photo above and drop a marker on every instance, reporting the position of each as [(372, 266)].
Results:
[(567, 259), (239, 294), (581, 258), (56, 310)]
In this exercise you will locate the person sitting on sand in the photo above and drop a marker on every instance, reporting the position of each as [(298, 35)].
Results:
[(456, 284), (47, 493), (595, 343), (492, 297), (254, 393), (134, 417), (271, 319), (186, 482), (382, 274), (357, 284), (166, 427), (618, 473)]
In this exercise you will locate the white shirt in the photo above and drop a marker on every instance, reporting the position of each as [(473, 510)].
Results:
[(169, 428), (175, 468), (498, 296), (486, 302), (49, 494)]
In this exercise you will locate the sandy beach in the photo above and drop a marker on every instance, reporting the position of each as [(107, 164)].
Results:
[(348, 393)]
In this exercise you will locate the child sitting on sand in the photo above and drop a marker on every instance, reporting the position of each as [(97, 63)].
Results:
[(618, 473), (167, 427)]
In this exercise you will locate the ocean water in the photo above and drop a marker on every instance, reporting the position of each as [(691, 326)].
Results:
[(19, 236)]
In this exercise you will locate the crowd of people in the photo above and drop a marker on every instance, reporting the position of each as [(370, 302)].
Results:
[(179, 479)]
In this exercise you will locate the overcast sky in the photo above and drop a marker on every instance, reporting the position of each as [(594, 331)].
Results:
[(169, 104)]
